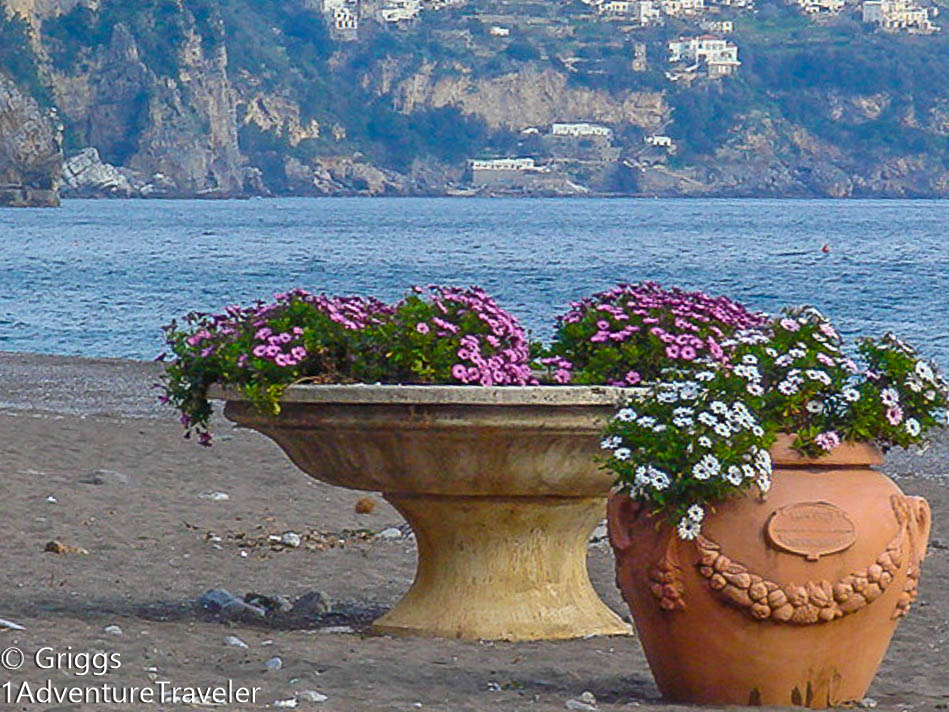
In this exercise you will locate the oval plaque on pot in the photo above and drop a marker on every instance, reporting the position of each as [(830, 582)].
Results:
[(811, 529)]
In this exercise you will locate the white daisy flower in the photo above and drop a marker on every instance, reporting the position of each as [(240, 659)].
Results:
[(850, 394), (749, 358), (748, 471), (787, 388), (706, 418), (695, 513), (929, 395), (764, 483), (912, 427), (718, 407), (734, 475), (763, 462), (646, 421), (815, 406), (712, 464), (626, 415), (622, 453), (771, 352), (705, 441), (757, 430), (755, 389), (689, 391), (688, 529), (682, 421), (704, 376), (924, 371), (890, 397), (661, 427), (783, 361), (722, 429), (641, 476), (613, 441), (667, 396), (700, 471), (797, 353), (660, 480)]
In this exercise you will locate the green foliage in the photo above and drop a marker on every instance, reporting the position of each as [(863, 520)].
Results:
[(17, 59), (694, 438)]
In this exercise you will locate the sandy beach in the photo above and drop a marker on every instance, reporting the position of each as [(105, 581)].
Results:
[(89, 459)]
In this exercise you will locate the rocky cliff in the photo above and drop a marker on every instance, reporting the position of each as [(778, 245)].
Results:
[(30, 159), (196, 98)]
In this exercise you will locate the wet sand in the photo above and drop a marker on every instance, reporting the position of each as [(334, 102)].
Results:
[(150, 537)]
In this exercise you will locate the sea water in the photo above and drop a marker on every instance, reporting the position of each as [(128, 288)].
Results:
[(100, 277)]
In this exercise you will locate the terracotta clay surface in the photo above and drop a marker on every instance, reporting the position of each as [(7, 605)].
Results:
[(500, 487), (787, 600)]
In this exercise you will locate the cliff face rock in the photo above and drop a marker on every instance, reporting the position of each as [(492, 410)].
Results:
[(30, 158), (342, 175), (182, 128), (277, 115), (529, 98)]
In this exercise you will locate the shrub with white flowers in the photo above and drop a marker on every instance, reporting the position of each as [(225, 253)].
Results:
[(686, 441), (697, 437)]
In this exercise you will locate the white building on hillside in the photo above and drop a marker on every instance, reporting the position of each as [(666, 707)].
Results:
[(400, 10), (580, 130), (895, 15), (815, 7), (502, 164), (677, 8), (646, 12), (720, 56)]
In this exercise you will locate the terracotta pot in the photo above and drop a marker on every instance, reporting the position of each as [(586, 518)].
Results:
[(787, 600), (499, 485)]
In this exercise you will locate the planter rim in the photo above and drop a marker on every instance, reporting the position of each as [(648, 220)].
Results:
[(390, 394)]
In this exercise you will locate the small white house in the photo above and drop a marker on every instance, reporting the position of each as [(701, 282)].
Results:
[(657, 140), (497, 31), (580, 130)]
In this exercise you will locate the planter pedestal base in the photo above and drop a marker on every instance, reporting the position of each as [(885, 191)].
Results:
[(503, 568)]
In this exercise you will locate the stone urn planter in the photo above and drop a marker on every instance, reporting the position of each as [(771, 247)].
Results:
[(499, 485), (789, 600)]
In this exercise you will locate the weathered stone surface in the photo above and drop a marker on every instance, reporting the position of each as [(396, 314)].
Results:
[(30, 157)]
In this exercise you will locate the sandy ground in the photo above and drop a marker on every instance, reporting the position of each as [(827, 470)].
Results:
[(148, 534)]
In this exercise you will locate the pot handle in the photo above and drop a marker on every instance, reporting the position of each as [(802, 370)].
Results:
[(621, 512), (923, 516)]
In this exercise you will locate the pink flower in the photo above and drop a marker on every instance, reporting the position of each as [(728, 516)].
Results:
[(260, 351), (828, 441), (687, 353), (422, 327), (894, 415), (460, 372), (298, 352), (602, 325), (562, 375), (599, 337), (826, 360), (672, 351), (789, 325), (633, 377)]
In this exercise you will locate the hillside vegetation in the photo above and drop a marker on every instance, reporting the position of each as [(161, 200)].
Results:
[(250, 96)]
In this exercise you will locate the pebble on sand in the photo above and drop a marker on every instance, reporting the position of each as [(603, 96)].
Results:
[(57, 547), (234, 642), (311, 696), (274, 663), (10, 625), (112, 630)]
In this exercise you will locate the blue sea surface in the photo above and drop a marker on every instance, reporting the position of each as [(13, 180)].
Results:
[(99, 278)]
